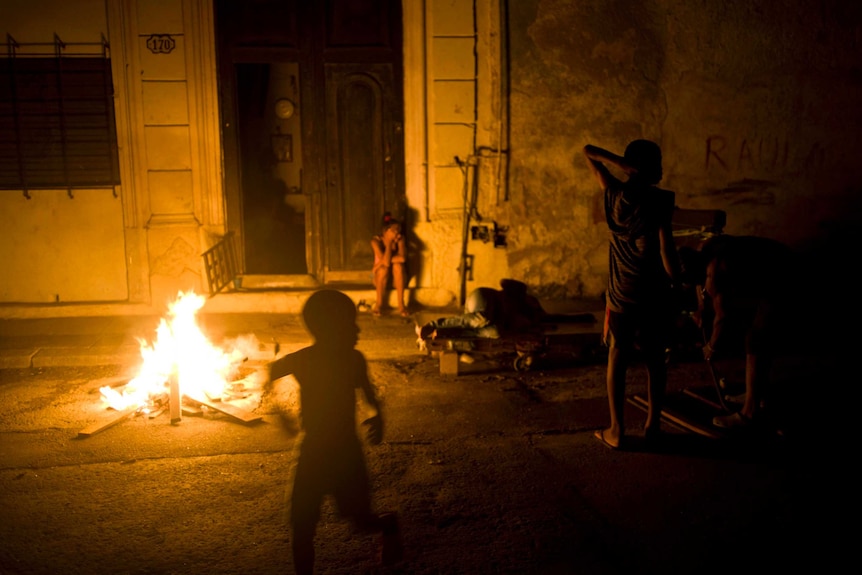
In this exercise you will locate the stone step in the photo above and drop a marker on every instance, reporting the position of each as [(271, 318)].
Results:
[(291, 300)]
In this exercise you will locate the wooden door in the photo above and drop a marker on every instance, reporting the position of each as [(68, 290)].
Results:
[(350, 142), (363, 150), (364, 162)]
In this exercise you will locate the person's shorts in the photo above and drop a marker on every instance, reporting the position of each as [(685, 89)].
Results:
[(645, 328), (771, 329)]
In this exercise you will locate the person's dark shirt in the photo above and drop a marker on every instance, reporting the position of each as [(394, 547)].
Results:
[(634, 215)]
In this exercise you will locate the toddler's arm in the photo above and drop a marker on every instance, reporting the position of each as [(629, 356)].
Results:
[(375, 422)]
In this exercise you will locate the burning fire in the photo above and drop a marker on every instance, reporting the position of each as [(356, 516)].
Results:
[(180, 351)]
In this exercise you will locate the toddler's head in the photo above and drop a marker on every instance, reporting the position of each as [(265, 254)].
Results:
[(330, 317)]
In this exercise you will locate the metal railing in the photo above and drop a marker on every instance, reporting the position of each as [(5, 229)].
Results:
[(220, 263)]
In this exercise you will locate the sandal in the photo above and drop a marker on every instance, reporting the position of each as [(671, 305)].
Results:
[(732, 421)]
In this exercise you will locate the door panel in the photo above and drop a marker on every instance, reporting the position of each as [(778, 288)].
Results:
[(360, 184)]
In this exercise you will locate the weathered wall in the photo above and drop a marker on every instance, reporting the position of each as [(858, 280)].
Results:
[(454, 128), (755, 104), (50, 248)]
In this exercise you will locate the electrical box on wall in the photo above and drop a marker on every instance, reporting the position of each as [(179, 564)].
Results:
[(490, 233)]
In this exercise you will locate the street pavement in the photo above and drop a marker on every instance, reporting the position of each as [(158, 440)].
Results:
[(691, 506)]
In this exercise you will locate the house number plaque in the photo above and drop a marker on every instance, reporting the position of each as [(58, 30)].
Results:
[(161, 43)]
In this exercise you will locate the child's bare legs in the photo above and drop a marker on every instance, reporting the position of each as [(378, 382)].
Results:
[(399, 280), (302, 544), (391, 546), (757, 369), (305, 502), (381, 277), (616, 385), (656, 385)]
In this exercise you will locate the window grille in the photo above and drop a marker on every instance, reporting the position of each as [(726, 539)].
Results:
[(57, 124)]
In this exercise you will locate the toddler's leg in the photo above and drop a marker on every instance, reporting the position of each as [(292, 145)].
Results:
[(303, 549), (391, 546)]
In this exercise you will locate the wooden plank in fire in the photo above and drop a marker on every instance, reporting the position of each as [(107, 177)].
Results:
[(103, 425), (113, 382), (253, 380), (257, 363), (116, 383), (191, 410), (225, 408)]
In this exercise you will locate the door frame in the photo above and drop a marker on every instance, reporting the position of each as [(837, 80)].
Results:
[(312, 57)]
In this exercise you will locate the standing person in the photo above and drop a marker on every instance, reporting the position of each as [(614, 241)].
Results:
[(748, 284), (331, 461), (643, 267), (390, 255)]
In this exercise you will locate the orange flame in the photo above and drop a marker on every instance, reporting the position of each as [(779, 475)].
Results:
[(181, 350)]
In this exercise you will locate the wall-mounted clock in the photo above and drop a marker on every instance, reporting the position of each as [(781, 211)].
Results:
[(284, 108)]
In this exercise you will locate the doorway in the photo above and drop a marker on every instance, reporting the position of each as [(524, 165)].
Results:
[(270, 158), (311, 105)]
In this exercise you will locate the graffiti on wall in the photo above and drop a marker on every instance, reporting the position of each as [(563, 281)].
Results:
[(764, 155)]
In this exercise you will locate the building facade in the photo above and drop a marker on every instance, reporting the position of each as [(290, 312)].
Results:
[(145, 139)]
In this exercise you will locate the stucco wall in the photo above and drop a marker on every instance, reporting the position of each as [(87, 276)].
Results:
[(174, 158), (755, 104), (142, 241), (58, 247)]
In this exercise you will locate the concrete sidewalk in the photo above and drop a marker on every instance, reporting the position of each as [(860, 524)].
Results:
[(267, 298), (92, 341), (111, 334), (108, 335)]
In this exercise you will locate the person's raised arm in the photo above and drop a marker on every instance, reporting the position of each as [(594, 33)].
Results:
[(597, 158)]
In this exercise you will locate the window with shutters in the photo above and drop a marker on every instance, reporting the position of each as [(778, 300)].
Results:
[(57, 124)]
